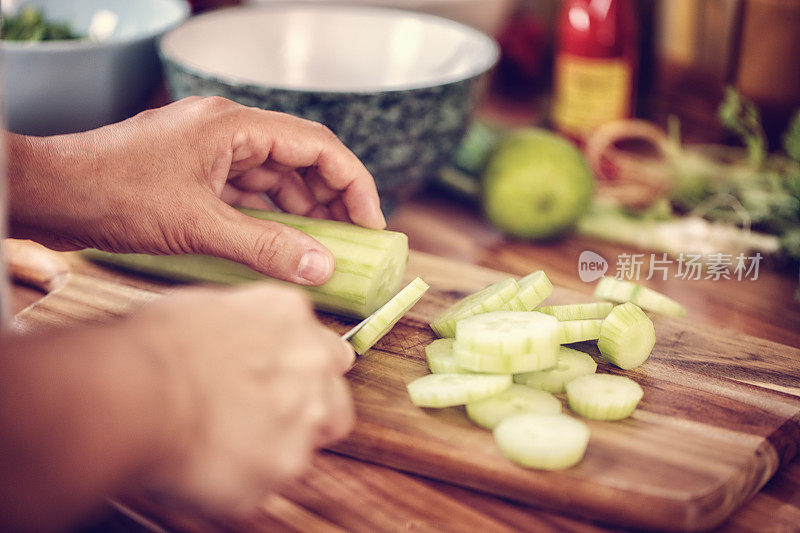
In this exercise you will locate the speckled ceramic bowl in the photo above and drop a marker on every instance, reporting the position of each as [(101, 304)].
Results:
[(397, 87)]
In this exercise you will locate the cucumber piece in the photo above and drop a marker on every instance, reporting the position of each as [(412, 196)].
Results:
[(533, 289), (509, 333), (497, 364), (515, 400), (578, 311), (388, 315), (440, 357), (543, 441), (369, 264), (621, 291), (627, 336), (571, 364), (446, 390), (570, 331), (491, 298), (603, 396)]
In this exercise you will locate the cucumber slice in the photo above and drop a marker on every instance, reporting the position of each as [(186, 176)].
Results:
[(621, 291), (533, 289), (571, 364), (446, 390), (547, 442), (498, 364), (440, 357), (509, 333), (368, 269), (491, 298), (603, 396), (578, 311), (627, 336), (388, 315), (570, 331), (515, 400)]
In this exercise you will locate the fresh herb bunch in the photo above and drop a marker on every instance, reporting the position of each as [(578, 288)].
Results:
[(30, 25)]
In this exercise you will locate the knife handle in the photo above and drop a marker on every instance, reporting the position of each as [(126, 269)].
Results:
[(33, 264)]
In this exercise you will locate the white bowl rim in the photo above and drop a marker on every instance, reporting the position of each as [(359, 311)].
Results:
[(242, 82), (69, 45)]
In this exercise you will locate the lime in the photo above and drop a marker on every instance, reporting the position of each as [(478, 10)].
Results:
[(536, 184)]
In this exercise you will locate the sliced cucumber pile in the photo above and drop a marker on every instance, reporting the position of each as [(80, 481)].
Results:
[(579, 330), (447, 390), (533, 289), (620, 291), (603, 396), (492, 298), (627, 336), (507, 342), (571, 364), (388, 315), (499, 332), (578, 311), (440, 358), (515, 400), (544, 441)]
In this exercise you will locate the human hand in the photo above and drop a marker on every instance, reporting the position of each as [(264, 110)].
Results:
[(161, 182), (255, 384)]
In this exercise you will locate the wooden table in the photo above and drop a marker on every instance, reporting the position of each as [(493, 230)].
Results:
[(340, 493)]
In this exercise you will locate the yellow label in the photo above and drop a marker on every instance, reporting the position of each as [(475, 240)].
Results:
[(589, 92)]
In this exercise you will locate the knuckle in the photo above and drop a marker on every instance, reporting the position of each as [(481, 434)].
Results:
[(269, 246), (217, 103)]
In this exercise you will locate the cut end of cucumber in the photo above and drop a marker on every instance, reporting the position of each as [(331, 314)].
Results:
[(571, 364), (627, 336), (491, 298), (383, 321), (542, 441), (603, 396), (447, 390), (621, 291), (515, 400)]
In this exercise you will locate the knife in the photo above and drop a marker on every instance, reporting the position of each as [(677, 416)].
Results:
[(352, 331)]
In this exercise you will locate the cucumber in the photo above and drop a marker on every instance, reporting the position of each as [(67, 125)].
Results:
[(533, 289), (543, 441), (620, 291), (507, 333), (571, 364), (603, 396), (627, 336), (387, 316), (440, 357), (491, 298), (446, 390), (515, 400), (369, 264), (578, 311), (507, 342), (570, 331)]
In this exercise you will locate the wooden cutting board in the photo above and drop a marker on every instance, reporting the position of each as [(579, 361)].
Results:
[(720, 414)]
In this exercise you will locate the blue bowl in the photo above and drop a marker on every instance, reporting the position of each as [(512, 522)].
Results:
[(397, 87), (66, 86)]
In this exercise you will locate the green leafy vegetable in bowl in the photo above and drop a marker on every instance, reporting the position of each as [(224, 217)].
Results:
[(31, 25)]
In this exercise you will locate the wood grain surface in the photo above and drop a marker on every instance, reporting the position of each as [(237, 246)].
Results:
[(718, 418)]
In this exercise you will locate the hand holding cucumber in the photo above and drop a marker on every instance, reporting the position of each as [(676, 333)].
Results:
[(161, 183), (248, 400)]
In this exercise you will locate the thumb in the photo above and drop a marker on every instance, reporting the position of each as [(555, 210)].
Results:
[(271, 248)]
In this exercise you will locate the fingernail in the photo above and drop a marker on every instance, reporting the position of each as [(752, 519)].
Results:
[(379, 215), (314, 267)]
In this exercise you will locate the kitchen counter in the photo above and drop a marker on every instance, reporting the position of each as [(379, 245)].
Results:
[(340, 493)]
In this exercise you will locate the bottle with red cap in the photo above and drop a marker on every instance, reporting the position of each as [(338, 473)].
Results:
[(595, 65)]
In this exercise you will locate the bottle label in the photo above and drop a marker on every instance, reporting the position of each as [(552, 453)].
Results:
[(590, 92)]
